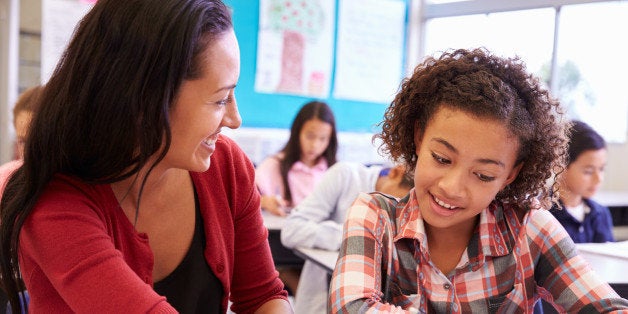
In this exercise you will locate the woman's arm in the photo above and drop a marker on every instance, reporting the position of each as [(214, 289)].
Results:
[(275, 306), (69, 259)]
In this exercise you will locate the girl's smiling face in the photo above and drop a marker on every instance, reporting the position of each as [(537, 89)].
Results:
[(462, 163)]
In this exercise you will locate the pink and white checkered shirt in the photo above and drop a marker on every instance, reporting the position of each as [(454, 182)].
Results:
[(384, 265)]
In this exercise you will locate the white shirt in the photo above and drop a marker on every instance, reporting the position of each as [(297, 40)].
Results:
[(317, 222), (578, 211)]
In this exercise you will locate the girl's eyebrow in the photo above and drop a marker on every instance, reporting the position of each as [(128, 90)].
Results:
[(453, 149)]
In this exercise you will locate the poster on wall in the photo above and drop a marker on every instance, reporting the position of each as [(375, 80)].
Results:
[(60, 17), (370, 49), (295, 47)]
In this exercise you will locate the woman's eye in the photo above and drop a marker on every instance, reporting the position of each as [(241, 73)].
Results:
[(225, 101), (485, 178), (440, 159)]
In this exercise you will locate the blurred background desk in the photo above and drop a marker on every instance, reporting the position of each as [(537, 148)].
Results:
[(617, 203), (282, 256), (610, 262), (323, 258)]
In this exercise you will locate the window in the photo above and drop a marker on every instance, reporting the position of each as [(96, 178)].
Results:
[(506, 34), (590, 68), (593, 66)]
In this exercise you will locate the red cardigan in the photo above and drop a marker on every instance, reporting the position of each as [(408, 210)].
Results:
[(79, 252)]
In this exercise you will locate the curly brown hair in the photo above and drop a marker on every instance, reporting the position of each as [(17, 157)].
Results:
[(488, 87)]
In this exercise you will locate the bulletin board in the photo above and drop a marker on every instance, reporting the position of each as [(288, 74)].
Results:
[(269, 110)]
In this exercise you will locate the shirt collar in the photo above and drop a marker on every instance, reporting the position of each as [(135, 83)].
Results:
[(321, 165), (492, 236)]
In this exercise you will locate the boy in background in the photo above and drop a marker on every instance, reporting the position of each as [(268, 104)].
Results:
[(317, 221), (584, 219)]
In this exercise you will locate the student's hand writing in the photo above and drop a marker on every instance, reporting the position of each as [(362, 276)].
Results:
[(274, 204)]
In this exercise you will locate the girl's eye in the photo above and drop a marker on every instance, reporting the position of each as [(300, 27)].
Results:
[(440, 159), (484, 178)]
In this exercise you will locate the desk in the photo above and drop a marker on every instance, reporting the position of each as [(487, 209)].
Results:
[(617, 203), (610, 262), (323, 258), (612, 198), (282, 256)]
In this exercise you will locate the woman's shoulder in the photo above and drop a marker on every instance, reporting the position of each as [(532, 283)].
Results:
[(66, 194)]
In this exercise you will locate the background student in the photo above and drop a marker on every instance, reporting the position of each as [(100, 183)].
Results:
[(285, 178), (482, 137), (23, 111), (22, 115), (129, 199), (584, 219), (317, 221)]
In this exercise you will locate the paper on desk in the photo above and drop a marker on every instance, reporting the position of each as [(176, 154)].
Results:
[(615, 249)]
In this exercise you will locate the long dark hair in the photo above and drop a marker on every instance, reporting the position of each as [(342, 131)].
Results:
[(292, 151), (105, 110)]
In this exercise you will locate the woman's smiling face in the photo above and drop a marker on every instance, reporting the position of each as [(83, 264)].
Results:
[(204, 106), (463, 162)]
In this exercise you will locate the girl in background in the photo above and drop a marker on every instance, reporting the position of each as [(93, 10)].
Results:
[(286, 178), (584, 219), (23, 111), (289, 176)]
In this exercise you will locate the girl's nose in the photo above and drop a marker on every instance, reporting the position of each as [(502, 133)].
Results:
[(452, 184)]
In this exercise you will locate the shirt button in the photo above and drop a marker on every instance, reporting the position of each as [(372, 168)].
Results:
[(446, 286), (220, 268)]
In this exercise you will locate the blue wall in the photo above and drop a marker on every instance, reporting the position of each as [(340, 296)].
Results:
[(260, 110)]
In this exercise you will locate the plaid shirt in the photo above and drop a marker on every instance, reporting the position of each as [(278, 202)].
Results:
[(384, 265)]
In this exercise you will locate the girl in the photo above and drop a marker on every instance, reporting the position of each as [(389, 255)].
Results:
[(22, 116), (584, 219), (287, 177), (482, 137), (130, 200)]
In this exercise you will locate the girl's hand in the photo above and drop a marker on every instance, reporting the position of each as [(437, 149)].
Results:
[(274, 204)]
